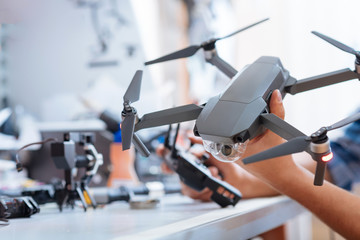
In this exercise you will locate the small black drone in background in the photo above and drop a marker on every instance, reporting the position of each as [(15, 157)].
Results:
[(241, 111), (66, 158)]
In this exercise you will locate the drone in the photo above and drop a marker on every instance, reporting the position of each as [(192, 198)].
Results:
[(241, 111), (65, 158)]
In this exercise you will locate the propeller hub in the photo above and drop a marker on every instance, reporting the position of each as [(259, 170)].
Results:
[(128, 111), (319, 135), (209, 45), (127, 107)]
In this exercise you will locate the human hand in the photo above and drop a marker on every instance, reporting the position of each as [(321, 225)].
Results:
[(234, 173), (246, 183), (228, 171), (203, 195), (266, 169), (268, 139)]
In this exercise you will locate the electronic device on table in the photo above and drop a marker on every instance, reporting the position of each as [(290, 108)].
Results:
[(196, 175), (17, 207), (65, 157)]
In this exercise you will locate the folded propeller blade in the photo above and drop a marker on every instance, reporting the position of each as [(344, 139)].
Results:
[(337, 44), (183, 53), (132, 94), (191, 50), (127, 131), (344, 122), (243, 29), (294, 145)]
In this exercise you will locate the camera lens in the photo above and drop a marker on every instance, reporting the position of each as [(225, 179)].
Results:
[(226, 150)]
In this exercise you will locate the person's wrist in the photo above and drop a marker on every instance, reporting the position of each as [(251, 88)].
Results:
[(279, 171), (262, 143)]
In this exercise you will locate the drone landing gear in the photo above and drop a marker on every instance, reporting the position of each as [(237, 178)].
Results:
[(73, 191)]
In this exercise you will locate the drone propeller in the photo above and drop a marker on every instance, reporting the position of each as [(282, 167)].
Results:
[(294, 145), (338, 45), (129, 113), (301, 143), (191, 50)]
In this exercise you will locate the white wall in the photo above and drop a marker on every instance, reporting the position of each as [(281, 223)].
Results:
[(49, 53), (287, 35)]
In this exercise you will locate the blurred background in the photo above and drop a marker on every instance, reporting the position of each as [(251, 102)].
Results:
[(68, 60), (62, 52)]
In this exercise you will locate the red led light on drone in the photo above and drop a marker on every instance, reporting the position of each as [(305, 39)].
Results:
[(327, 157)]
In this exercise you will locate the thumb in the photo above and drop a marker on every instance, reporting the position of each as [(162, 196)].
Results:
[(276, 104), (195, 140), (223, 167)]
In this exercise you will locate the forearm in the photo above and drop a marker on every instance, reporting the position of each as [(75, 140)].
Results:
[(251, 186), (338, 208), (304, 159)]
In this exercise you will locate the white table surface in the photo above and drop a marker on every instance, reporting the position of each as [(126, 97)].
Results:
[(176, 217)]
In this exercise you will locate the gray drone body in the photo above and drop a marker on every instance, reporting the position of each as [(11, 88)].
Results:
[(234, 115), (241, 111)]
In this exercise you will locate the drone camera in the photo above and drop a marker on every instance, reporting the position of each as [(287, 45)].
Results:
[(225, 152)]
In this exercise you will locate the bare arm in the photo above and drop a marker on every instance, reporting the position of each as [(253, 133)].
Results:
[(304, 159), (336, 207)]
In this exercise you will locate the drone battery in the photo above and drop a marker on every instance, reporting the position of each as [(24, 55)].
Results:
[(63, 154)]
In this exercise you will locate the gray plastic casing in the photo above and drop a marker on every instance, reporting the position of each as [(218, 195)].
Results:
[(233, 116)]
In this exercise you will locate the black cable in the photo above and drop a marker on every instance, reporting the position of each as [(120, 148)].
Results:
[(17, 159), (4, 222)]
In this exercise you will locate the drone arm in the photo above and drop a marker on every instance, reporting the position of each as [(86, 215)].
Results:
[(320, 173), (140, 146), (321, 81), (214, 59), (169, 116), (279, 126), (285, 130)]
